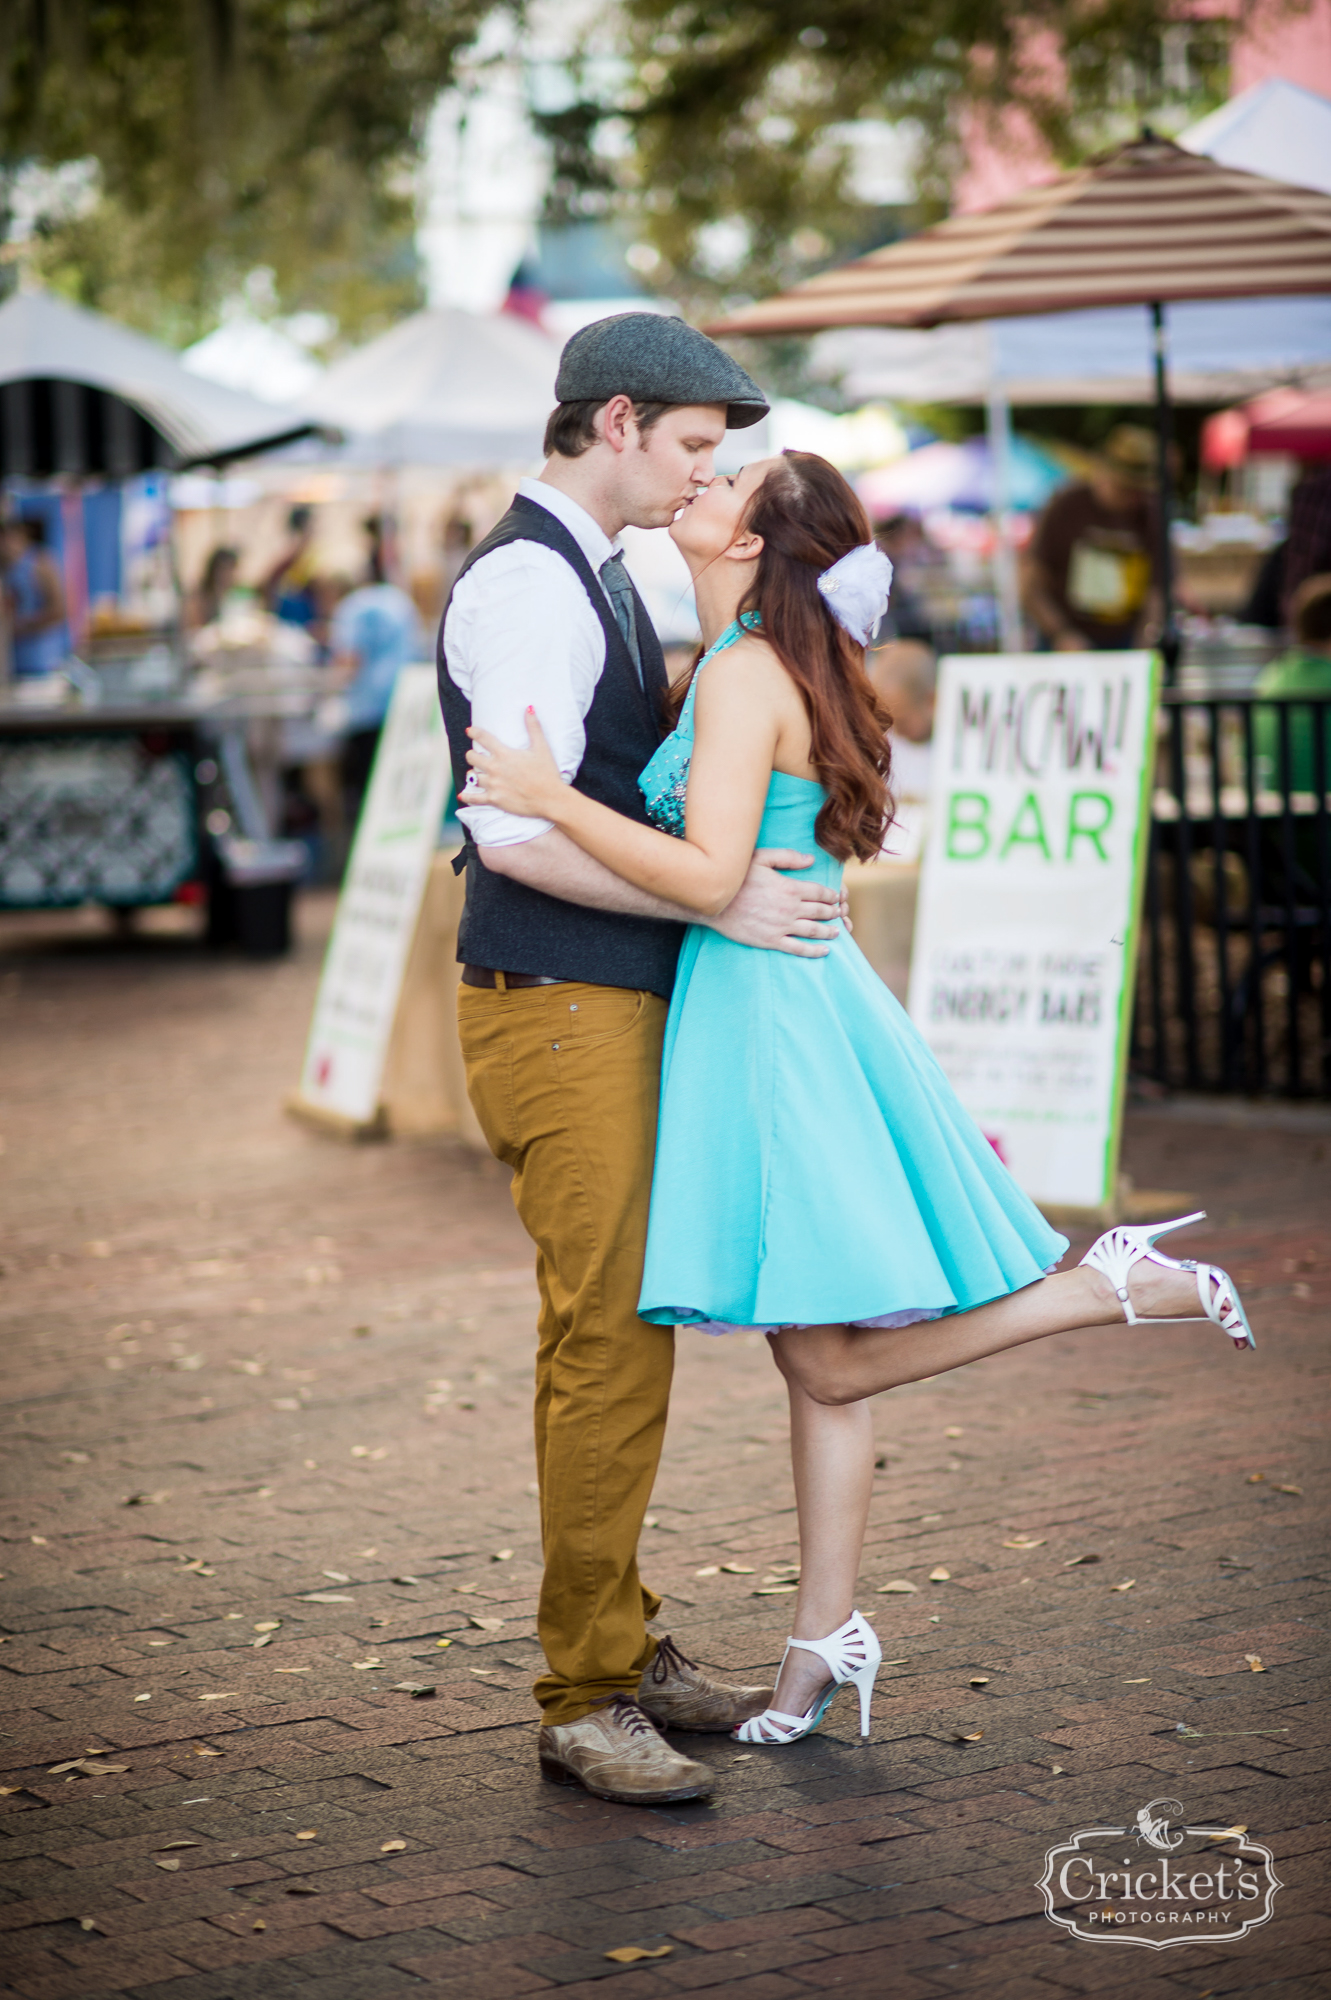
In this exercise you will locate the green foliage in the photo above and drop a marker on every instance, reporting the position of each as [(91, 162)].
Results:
[(229, 134), (737, 108)]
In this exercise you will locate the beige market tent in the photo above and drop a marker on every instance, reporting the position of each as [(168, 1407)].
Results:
[(1147, 224)]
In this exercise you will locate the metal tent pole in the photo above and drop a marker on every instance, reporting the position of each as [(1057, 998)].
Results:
[(1171, 640), (998, 423)]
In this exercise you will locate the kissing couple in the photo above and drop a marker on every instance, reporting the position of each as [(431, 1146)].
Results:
[(715, 1113)]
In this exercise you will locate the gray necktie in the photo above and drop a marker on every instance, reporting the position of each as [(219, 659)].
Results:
[(620, 592)]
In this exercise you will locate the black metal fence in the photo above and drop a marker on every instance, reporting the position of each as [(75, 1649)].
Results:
[(1234, 985)]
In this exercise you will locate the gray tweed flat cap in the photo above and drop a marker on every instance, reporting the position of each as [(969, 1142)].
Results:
[(655, 359)]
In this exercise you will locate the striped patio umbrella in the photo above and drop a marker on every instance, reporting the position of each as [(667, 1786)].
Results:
[(1146, 224)]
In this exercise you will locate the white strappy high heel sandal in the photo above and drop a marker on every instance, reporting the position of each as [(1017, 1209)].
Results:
[(852, 1654), (1119, 1249)]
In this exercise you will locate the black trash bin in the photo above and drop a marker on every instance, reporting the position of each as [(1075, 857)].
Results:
[(251, 894)]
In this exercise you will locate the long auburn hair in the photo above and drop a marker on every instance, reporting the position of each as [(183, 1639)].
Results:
[(809, 517)]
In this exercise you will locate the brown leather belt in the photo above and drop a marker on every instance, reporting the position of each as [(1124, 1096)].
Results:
[(482, 975)]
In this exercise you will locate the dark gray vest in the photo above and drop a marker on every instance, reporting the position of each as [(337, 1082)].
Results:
[(508, 926)]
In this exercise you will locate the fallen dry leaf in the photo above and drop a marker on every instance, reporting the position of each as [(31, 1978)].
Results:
[(324, 1597), (264, 1639), (1026, 1542), (9, 1791), (335, 1575), (502, 1556), (197, 1566), (940, 1575), (405, 1579), (84, 1767), (1255, 1662), (224, 1694), (736, 1569), (87, 1924), (268, 1625), (776, 1590), (1231, 1833), (485, 1624), (167, 1845), (1144, 1681), (1129, 1585), (629, 1954), (393, 1847), (1075, 1562), (170, 1866), (898, 1588), (954, 1431), (76, 1457), (145, 1500), (465, 1589), (293, 1670), (200, 1751), (310, 1833), (143, 1697), (712, 1569), (1055, 1770), (363, 1666), (1280, 1489), (969, 1736), (1255, 1478), (258, 1924), (301, 1889), (979, 1680), (441, 1643), (418, 1690)]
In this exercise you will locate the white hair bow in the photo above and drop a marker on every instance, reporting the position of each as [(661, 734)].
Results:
[(855, 590)]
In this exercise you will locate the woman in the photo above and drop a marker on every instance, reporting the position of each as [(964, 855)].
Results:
[(815, 1175)]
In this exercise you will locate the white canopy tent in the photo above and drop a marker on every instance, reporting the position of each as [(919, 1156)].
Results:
[(445, 387), (45, 340)]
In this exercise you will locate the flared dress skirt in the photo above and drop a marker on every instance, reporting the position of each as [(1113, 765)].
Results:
[(813, 1163)]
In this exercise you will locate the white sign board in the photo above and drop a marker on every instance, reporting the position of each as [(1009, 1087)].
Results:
[(1025, 940), (379, 905)]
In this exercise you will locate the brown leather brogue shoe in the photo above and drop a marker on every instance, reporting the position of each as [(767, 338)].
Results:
[(615, 1753), (678, 1694)]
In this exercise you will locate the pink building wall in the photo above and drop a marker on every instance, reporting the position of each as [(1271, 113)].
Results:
[(1006, 154)]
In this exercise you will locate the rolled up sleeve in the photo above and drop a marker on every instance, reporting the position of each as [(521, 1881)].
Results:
[(520, 632)]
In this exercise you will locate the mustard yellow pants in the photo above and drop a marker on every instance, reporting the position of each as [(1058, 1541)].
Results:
[(564, 1080)]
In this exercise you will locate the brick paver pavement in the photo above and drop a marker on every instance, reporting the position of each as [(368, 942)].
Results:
[(266, 1416)]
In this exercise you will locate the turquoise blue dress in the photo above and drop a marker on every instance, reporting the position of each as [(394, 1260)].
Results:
[(813, 1164)]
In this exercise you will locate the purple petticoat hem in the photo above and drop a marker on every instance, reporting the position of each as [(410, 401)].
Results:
[(911, 1316)]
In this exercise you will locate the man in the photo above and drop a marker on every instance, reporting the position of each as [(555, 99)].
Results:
[(1308, 542), (374, 632), (36, 599), (566, 976), (1091, 563)]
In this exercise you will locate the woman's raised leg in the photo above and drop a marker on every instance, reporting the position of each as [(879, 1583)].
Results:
[(840, 1364), (831, 1449)]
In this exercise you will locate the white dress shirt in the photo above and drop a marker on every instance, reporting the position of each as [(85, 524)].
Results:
[(521, 630)]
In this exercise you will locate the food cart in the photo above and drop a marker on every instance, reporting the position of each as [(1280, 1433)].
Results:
[(119, 783)]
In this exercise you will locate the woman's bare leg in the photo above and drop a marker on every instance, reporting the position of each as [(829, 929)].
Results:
[(840, 1364), (831, 1450)]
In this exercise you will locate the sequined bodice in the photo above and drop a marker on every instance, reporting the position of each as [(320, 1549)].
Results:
[(664, 783)]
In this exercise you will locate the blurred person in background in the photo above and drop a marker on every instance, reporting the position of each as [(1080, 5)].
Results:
[(904, 543), (374, 631), (1090, 571), (293, 589), (1304, 670), (34, 598), (905, 676), (1308, 541), (214, 586)]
